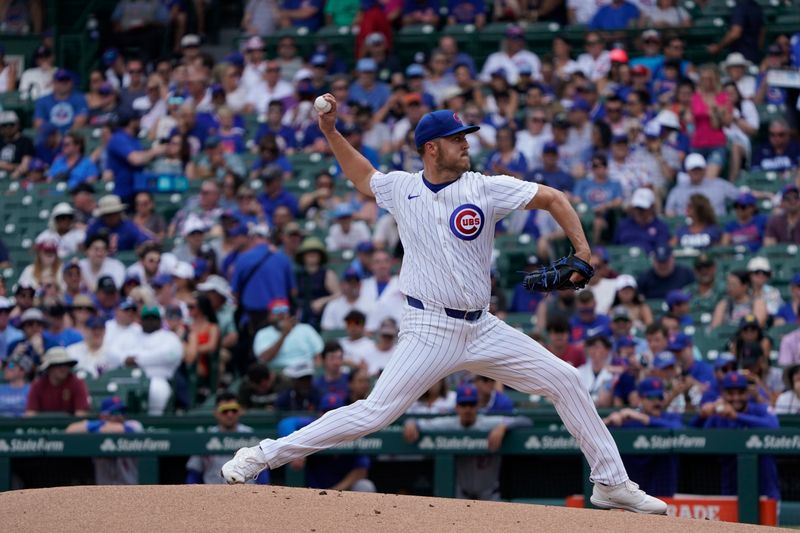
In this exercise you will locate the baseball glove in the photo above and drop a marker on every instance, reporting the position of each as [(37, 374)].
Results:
[(557, 276)]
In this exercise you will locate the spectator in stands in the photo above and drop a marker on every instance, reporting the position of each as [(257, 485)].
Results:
[(681, 345), (46, 267), (788, 403), (57, 389), (72, 165), (358, 348), (62, 230), (106, 296), (81, 306), (14, 391), (748, 227), (139, 25), (781, 152), (736, 409), (176, 159), (201, 349), (8, 74), (111, 419), (260, 17), (153, 105), (35, 340), (23, 300), (301, 396), (386, 335), (491, 399), (125, 154), (83, 202), (317, 284), (256, 390), (558, 334), (158, 353), (102, 104), (667, 14), (760, 271), (678, 306), (477, 477), (596, 374), (744, 33), (57, 326), (367, 89), (711, 111), (664, 275), (420, 12), (16, 150), (510, 57), (586, 322), (137, 81), (381, 292), (122, 332), (346, 233), (37, 81), (91, 353), (701, 230), (738, 303), (785, 227), (642, 227), (274, 194), (595, 63), (64, 108), (206, 469), (8, 333), (599, 193), (532, 140), (145, 216), (706, 291), (300, 14), (717, 190), (333, 380), (285, 342), (617, 15), (789, 312), (507, 159), (333, 316), (122, 233), (659, 473)]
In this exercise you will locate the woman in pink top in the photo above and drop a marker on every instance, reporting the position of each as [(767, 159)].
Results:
[(711, 112)]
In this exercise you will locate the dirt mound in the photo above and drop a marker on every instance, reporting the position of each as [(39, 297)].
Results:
[(264, 508)]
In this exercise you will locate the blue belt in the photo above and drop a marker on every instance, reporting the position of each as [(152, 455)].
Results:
[(469, 316)]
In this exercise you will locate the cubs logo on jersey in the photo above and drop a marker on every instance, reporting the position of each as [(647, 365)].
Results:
[(467, 221)]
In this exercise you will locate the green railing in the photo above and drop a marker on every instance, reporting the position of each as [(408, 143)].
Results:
[(442, 447)]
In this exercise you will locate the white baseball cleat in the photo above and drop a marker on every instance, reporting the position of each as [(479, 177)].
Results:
[(245, 465), (626, 496)]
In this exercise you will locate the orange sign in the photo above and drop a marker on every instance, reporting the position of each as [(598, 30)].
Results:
[(721, 508)]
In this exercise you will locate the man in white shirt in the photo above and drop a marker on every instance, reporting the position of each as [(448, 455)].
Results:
[(255, 64), (92, 354), (532, 139), (270, 88), (511, 57), (158, 353), (358, 349), (595, 62), (582, 11), (38, 81), (339, 307), (594, 373), (346, 233), (382, 292), (122, 333)]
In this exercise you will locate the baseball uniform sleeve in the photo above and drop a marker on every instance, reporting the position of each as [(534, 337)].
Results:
[(508, 194), (382, 186)]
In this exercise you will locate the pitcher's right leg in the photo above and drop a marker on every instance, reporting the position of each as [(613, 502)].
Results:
[(430, 347)]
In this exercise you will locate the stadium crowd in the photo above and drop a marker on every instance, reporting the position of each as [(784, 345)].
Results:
[(234, 301)]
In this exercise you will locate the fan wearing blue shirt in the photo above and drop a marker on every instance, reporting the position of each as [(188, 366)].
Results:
[(72, 164), (642, 227), (737, 411), (550, 173), (275, 195), (523, 300), (367, 90), (586, 322), (14, 390), (617, 15), (657, 474), (62, 108), (490, 400), (748, 227), (333, 380), (125, 154), (301, 14), (355, 136), (111, 221), (681, 345)]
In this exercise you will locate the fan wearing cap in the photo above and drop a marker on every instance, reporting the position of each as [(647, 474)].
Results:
[(748, 227), (122, 332), (738, 302), (317, 284), (737, 410), (785, 226), (98, 264), (717, 190), (16, 149), (111, 419), (788, 402), (511, 55), (780, 152), (707, 289), (367, 89), (664, 275), (57, 389), (642, 227), (284, 342), (36, 340), (760, 272), (64, 108), (17, 372), (477, 477), (92, 354), (61, 227), (598, 374), (44, 272), (659, 473), (346, 233), (37, 81), (378, 46), (381, 292), (333, 316)]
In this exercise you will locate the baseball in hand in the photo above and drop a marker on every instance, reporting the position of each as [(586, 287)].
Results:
[(322, 105)]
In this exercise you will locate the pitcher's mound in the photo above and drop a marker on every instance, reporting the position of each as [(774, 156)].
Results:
[(245, 508)]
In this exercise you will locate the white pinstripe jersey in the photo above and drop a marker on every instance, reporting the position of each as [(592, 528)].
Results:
[(448, 236)]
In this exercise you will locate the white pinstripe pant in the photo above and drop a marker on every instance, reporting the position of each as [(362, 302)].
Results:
[(432, 346)]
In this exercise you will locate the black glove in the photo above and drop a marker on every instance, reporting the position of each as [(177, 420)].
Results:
[(557, 276)]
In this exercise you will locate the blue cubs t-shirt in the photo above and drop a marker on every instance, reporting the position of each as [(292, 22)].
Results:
[(60, 113)]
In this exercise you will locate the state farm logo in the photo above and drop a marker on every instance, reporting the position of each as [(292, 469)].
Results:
[(467, 221)]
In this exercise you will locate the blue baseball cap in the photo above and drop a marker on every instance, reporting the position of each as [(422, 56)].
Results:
[(95, 322), (366, 64), (625, 342), (112, 405), (679, 342), (723, 360), (440, 124), (161, 280), (662, 254), (343, 211), (62, 74), (319, 60), (415, 70), (466, 393), (664, 360), (745, 199), (351, 275), (601, 252), (651, 388), (127, 304), (734, 380), (550, 147), (580, 104), (365, 247), (677, 296), (525, 69), (619, 138), (235, 58), (109, 56)]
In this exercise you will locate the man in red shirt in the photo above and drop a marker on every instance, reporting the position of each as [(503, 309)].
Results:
[(57, 389), (558, 333)]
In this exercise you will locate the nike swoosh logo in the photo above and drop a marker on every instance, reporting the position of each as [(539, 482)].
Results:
[(412, 197), (594, 331)]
